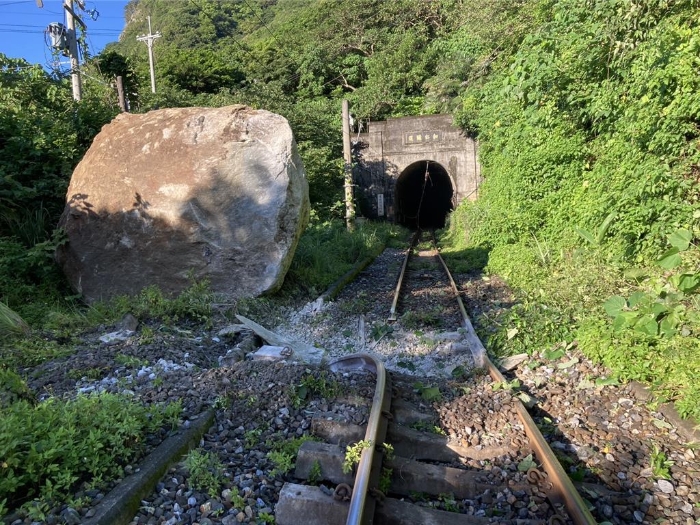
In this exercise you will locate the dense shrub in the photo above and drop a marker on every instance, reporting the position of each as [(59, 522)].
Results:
[(589, 147), (46, 449)]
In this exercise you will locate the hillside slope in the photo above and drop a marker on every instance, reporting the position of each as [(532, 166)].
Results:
[(589, 145)]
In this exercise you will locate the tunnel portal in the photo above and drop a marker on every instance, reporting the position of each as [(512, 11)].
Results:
[(389, 164), (424, 195)]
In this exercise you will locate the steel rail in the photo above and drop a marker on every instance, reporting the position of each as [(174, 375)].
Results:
[(563, 490), (399, 283), (361, 511)]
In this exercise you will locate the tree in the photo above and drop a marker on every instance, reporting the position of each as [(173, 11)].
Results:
[(44, 133)]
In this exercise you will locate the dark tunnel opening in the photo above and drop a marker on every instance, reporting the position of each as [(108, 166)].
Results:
[(423, 196)]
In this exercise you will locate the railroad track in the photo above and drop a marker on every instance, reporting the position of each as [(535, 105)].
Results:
[(393, 470)]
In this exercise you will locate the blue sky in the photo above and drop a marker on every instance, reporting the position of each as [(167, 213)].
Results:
[(22, 25)]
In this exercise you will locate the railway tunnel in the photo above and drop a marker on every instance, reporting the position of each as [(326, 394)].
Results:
[(424, 195)]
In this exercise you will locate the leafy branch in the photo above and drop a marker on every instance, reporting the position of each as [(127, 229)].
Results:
[(661, 311)]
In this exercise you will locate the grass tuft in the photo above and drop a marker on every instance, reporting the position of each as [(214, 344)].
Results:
[(11, 323)]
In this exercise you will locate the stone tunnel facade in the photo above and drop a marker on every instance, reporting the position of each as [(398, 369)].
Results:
[(414, 170)]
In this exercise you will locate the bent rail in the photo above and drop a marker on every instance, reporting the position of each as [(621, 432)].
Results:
[(361, 508)]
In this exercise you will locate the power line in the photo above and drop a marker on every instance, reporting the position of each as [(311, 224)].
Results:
[(293, 78), (13, 68), (23, 31), (105, 32), (94, 78), (24, 13), (22, 25), (238, 44), (262, 22)]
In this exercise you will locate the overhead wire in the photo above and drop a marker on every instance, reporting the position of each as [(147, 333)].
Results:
[(84, 73), (50, 59), (30, 66), (262, 22), (290, 78), (22, 31), (213, 22), (33, 13)]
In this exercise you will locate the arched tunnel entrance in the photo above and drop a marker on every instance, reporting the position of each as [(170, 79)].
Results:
[(423, 195)]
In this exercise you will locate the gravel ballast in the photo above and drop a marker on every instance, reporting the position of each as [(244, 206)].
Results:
[(610, 439)]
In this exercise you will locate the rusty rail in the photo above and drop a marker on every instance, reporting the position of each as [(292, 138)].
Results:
[(399, 283), (361, 509), (563, 490)]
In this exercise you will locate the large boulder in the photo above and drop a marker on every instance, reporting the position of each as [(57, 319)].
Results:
[(159, 198)]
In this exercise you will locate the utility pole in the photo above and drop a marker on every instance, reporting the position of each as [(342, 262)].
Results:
[(347, 156), (149, 38), (73, 49), (65, 39), (120, 94)]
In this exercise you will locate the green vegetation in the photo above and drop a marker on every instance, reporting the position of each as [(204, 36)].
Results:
[(320, 384), (315, 474), (460, 373), (23, 352), (660, 464), (432, 317), (192, 305), (44, 133), (284, 454), (527, 463), (359, 304), (46, 450), (169, 415), (381, 330), (130, 361), (266, 518), (236, 498), (327, 250), (449, 503), (385, 480), (10, 322), (283, 462), (588, 133), (251, 437), (388, 450), (509, 386), (427, 427), (427, 392), (353, 454), (206, 471), (12, 388), (587, 118)]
